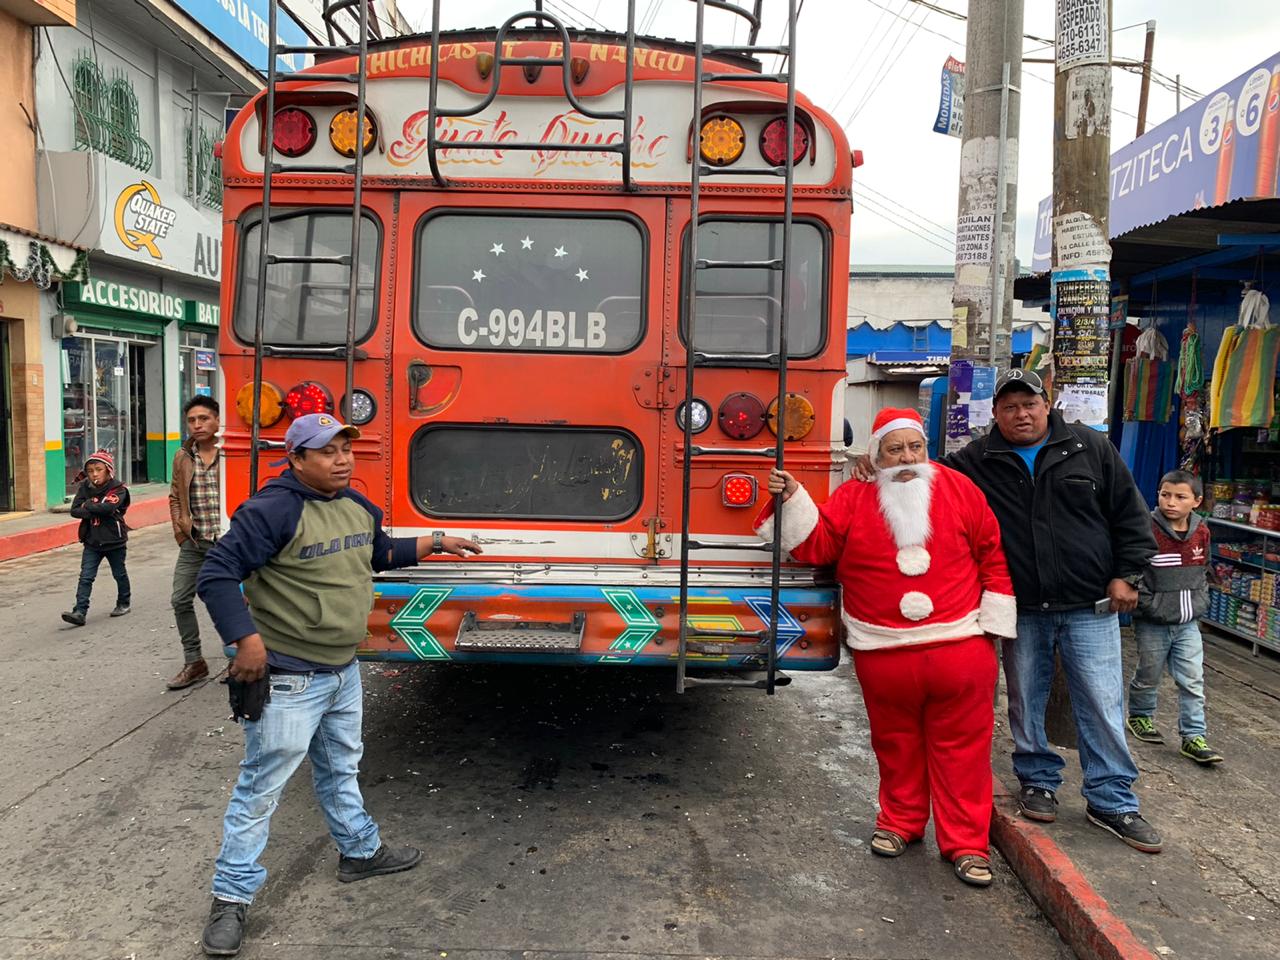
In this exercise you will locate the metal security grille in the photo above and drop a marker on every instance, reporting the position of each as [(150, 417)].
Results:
[(106, 114)]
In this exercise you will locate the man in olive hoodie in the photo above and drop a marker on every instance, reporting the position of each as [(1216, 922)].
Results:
[(305, 548)]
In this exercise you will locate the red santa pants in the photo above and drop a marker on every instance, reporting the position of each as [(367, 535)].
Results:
[(931, 716)]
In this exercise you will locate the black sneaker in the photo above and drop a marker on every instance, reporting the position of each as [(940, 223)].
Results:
[(74, 617), (1194, 748), (120, 610), (225, 929), (1037, 803), (386, 860), (1145, 729), (1129, 827)]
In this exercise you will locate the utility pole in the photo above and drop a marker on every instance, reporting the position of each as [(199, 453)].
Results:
[(1147, 55), (1080, 297), (982, 295)]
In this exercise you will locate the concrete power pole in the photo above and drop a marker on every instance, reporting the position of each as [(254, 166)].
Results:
[(1080, 285), (982, 297)]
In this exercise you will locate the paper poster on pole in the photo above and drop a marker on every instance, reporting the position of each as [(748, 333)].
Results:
[(1079, 241), (974, 235), (1083, 35)]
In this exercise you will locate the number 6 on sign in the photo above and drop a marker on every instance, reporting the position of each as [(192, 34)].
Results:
[(1252, 96)]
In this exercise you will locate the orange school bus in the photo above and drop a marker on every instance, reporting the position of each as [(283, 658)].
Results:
[(518, 333)]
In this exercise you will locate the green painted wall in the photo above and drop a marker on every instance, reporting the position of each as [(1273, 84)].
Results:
[(55, 476)]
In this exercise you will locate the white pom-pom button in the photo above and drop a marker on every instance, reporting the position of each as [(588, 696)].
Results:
[(915, 605), (913, 561)]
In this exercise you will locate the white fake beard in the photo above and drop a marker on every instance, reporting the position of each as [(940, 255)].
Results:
[(905, 504)]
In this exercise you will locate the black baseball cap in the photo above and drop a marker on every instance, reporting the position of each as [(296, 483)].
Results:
[(1021, 379)]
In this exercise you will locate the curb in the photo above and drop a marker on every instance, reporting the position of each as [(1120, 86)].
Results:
[(1080, 914), (143, 513)]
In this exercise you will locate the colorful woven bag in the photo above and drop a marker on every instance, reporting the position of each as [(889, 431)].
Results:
[(1242, 392), (1148, 379)]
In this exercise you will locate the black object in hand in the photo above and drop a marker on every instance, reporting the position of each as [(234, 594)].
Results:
[(248, 699)]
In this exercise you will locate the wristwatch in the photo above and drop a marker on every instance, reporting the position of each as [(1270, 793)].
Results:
[(437, 541)]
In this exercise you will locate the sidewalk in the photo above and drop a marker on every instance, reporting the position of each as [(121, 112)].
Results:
[(37, 532), (1215, 890)]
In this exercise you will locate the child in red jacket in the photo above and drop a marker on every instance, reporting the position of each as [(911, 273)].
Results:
[(100, 503)]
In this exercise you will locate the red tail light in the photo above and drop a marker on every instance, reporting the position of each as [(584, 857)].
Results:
[(308, 397), (741, 416), (295, 132), (738, 490), (773, 142)]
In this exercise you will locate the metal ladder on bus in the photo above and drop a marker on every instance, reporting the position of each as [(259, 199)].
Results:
[(722, 642), (363, 19), (530, 64)]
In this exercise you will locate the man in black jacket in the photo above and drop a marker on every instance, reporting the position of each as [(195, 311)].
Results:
[(1077, 536)]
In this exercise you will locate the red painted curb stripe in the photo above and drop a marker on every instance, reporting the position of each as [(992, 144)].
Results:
[(142, 513), (1079, 913)]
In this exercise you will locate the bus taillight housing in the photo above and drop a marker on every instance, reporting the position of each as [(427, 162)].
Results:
[(294, 132), (773, 142), (308, 397)]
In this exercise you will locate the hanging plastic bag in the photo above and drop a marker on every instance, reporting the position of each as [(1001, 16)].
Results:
[(1148, 379), (1242, 392)]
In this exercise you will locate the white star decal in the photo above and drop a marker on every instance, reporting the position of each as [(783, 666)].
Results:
[(526, 243), (477, 276), (497, 250), (582, 274), (561, 252)]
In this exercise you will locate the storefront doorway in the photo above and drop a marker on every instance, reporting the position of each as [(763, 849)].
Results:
[(104, 404), (6, 424)]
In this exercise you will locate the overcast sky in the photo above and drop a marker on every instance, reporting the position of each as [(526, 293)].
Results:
[(874, 65)]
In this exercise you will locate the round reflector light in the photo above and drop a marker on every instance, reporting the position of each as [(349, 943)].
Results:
[(271, 406), (295, 132), (721, 141), (773, 142), (342, 132), (360, 409), (738, 490), (797, 420), (741, 416), (308, 397), (701, 418)]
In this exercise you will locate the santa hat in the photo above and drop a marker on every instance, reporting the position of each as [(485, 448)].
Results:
[(890, 419), (105, 459)]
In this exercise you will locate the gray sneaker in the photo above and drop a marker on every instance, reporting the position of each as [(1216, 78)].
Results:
[(1129, 827)]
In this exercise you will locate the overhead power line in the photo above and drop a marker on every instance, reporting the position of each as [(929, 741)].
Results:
[(890, 217), (948, 231)]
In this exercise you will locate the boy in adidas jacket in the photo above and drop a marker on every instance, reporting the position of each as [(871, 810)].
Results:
[(1173, 596), (305, 548)]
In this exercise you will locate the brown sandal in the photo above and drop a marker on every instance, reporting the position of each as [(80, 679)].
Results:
[(974, 870), (886, 843)]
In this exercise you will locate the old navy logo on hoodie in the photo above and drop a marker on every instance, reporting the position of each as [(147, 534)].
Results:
[(349, 542)]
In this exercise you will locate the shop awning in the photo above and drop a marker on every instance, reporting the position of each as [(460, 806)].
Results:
[(29, 256)]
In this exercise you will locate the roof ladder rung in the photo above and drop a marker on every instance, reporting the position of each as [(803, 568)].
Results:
[(326, 78), (770, 452), (702, 358), (344, 169), (747, 77), (284, 50), (746, 50), (743, 171), (344, 260), (755, 545), (738, 264)]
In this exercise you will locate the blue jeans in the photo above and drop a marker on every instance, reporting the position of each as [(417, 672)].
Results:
[(1178, 645), (315, 715), (1090, 649), (90, 560)]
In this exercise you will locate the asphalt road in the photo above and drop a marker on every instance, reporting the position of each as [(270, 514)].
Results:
[(562, 813)]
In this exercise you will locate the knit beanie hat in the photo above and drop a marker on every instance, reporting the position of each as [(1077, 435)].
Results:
[(105, 459)]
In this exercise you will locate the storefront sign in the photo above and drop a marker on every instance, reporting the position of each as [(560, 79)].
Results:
[(1224, 147), (152, 222), (199, 312), (243, 26), (121, 296)]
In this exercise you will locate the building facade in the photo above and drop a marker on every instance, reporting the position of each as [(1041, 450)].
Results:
[(131, 100), (29, 261)]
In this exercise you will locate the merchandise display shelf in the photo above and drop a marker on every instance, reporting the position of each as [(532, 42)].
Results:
[(1253, 564)]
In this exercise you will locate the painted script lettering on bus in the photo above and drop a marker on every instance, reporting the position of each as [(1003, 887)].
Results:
[(562, 128), (550, 329)]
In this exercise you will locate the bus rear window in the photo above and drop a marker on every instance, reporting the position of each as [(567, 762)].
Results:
[(738, 309), (533, 284), (531, 473), (307, 302)]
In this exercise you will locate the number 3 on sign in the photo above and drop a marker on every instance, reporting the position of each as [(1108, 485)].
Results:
[(1213, 122), (1252, 97)]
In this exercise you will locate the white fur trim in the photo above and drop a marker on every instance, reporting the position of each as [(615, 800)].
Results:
[(861, 635), (902, 423), (915, 605), (998, 614), (799, 517), (913, 561)]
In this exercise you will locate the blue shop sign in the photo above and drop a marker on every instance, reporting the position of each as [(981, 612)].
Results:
[(242, 26)]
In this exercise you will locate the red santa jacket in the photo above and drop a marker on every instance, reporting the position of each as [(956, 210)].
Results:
[(954, 586)]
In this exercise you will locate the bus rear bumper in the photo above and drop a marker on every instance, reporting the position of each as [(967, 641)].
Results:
[(593, 624)]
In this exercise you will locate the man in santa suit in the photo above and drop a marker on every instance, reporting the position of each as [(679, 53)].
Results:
[(925, 587)]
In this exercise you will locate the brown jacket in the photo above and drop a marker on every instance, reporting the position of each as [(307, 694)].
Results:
[(184, 469)]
